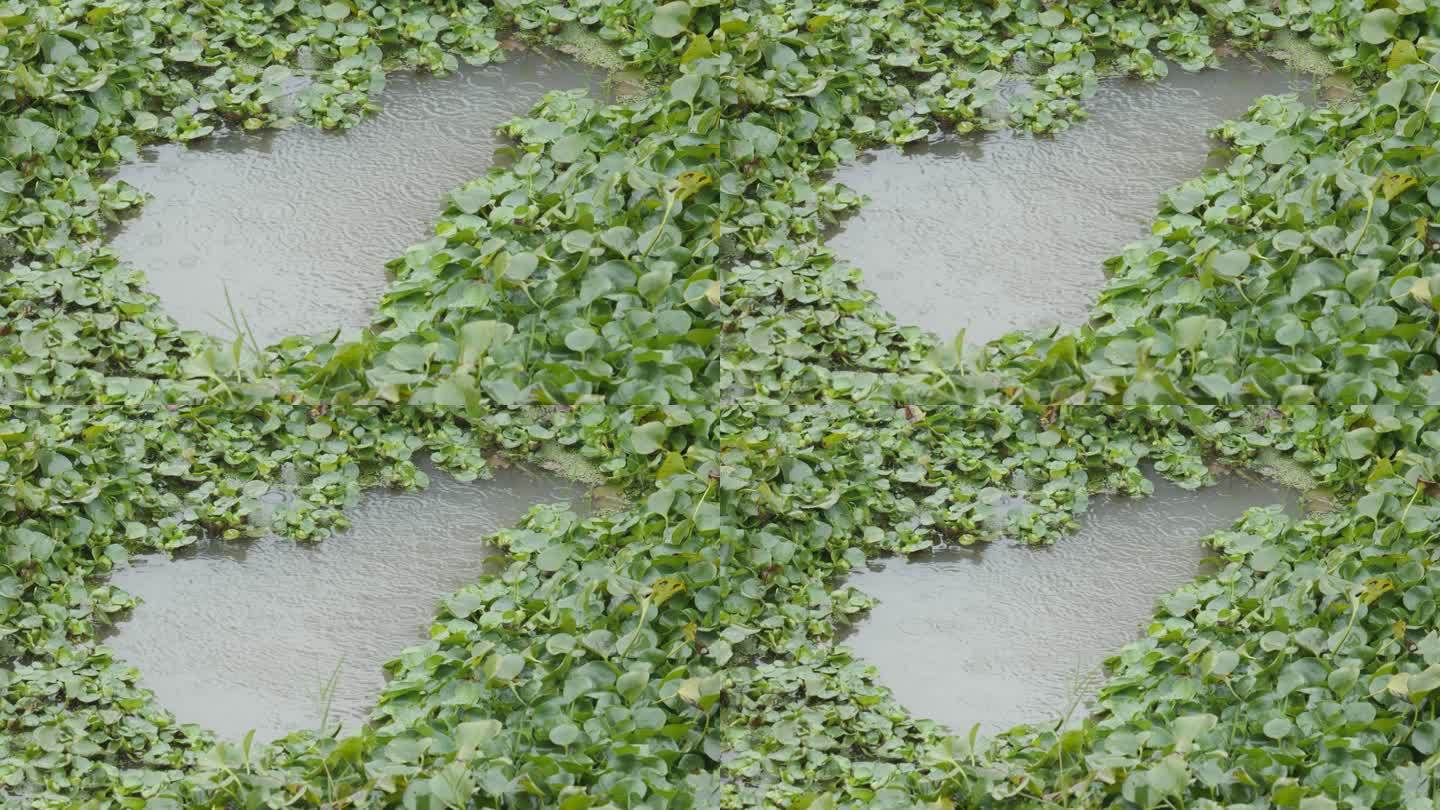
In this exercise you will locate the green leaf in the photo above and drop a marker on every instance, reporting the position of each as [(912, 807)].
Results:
[(1359, 443), (36, 546), (671, 19), (620, 239), (1426, 737), (1222, 662), (470, 198), (1290, 335), (674, 464), (1424, 682), (1169, 776), (569, 148), (452, 785), (1377, 27), (564, 734), (700, 48), (553, 558), (581, 339), (520, 266), (479, 338), (1402, 53), (1190, 332), (1191, 727), (648, 438), (1265, 559), (470, 735), (504, 667), (660, 501), (684, 88), (57, 48), (1361, 281), (1281, 150), (1231, 264), (505, 391), (1279, 728)]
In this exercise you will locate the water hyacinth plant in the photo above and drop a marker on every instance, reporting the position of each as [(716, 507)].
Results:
[(645, 288)]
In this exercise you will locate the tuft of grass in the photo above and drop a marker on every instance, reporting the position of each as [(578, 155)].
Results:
[(327, 696)]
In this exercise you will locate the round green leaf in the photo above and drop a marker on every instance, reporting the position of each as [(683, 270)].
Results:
[(648, 438), (581, 339), (564, 734), (1378, 26), (671, 19)]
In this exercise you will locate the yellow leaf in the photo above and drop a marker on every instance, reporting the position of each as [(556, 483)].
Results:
[(1420, 290), (674, 464), (1401, 54), (690, 183), (662, 590), (817, 22), (699, 49), (1399, 684), (712, 293), (1375, 588), (1393, 184), (689, 690)]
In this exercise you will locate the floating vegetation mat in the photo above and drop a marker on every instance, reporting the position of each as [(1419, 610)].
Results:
[(643, 288)]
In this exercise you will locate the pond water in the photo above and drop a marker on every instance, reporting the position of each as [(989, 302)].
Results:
[(1000, 231), (1002, 634), (242, 635), (298, 224)]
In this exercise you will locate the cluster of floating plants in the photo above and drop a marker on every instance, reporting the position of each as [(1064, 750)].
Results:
[(644, 288)]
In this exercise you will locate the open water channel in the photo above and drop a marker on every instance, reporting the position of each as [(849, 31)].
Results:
[(297, 224), (1003, 633), (1000, 231)]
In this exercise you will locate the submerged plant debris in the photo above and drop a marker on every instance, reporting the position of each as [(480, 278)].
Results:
[(644, 289)]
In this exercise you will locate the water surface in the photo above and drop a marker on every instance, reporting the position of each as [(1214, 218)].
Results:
[(241, 635), (298, 224), (1001, 634), (1000, 231)]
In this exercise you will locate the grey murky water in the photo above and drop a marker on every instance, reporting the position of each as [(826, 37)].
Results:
[(998, 232), (1003, 634), (236, 636), (298, 224)]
